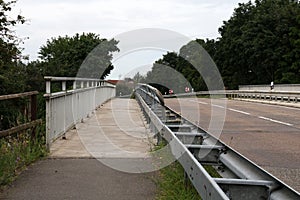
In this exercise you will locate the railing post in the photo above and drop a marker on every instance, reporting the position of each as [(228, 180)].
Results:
[(33, 106), (64, 86), (64, 89), (48, 86), (48, 119)]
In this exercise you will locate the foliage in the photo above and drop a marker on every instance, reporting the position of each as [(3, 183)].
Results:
[(260, 44), (85, 55), (10, 54), (192, 67), (165, 74), (124, 88), (16, 152)]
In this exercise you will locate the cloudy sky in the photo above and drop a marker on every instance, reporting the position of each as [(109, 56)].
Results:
[(52, 18)]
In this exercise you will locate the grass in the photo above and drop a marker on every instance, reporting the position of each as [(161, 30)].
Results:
[(170, 180), (17, 152), (172, 186)]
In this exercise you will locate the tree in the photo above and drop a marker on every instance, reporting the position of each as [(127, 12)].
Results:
[(10, 54), (191, 67), (260, 44), (85, 55)]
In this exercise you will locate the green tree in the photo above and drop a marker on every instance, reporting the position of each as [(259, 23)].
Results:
[(165, 74), (192, 67), (85, 55), (260, 44), (10, 53)]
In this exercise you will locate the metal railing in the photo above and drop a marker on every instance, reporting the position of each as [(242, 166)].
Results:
[(64, 109), (290, 97), (193, 147), (276, 88)]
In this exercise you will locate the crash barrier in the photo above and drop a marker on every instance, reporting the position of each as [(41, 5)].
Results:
[(288, 97), (275, 88), (193, 147)]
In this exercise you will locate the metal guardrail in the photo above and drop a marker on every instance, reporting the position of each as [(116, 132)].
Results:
[(64, 109), (266, 87), (192, 147), (293, 97), (271, 96)]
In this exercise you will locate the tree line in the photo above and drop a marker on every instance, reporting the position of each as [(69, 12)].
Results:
[(260, 43), (82, 55)]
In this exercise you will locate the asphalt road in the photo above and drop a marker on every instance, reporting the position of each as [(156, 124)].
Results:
[(269, 135), (79, 179)]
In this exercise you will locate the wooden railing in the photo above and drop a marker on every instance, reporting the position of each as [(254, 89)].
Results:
[(31, 121)]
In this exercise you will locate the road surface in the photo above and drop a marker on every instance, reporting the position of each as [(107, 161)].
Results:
[(269, 135)]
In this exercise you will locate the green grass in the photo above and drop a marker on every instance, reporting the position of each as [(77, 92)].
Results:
[(16, 152), (171, 184), (170, 180)]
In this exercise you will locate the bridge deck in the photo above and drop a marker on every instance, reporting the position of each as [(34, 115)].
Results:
[(116, 130), (117, 137)]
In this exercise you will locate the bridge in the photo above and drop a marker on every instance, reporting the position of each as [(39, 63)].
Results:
[(257, 154)]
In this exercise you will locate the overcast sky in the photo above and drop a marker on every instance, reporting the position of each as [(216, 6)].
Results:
[(52, 18)]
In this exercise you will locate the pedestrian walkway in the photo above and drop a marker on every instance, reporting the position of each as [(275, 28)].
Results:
[(116, 129), (105, 157)]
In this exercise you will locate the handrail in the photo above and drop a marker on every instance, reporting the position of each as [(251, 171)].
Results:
[(53, 78), (242, 179), (66, 108), (84, 83), (14, 96)]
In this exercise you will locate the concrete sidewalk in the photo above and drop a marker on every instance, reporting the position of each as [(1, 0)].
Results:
[(103, 158)]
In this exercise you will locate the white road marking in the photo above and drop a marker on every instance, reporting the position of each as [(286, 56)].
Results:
[(201, 102), (239, 111), (276, 121), (246, 113), (217, 106), (273, 105)]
